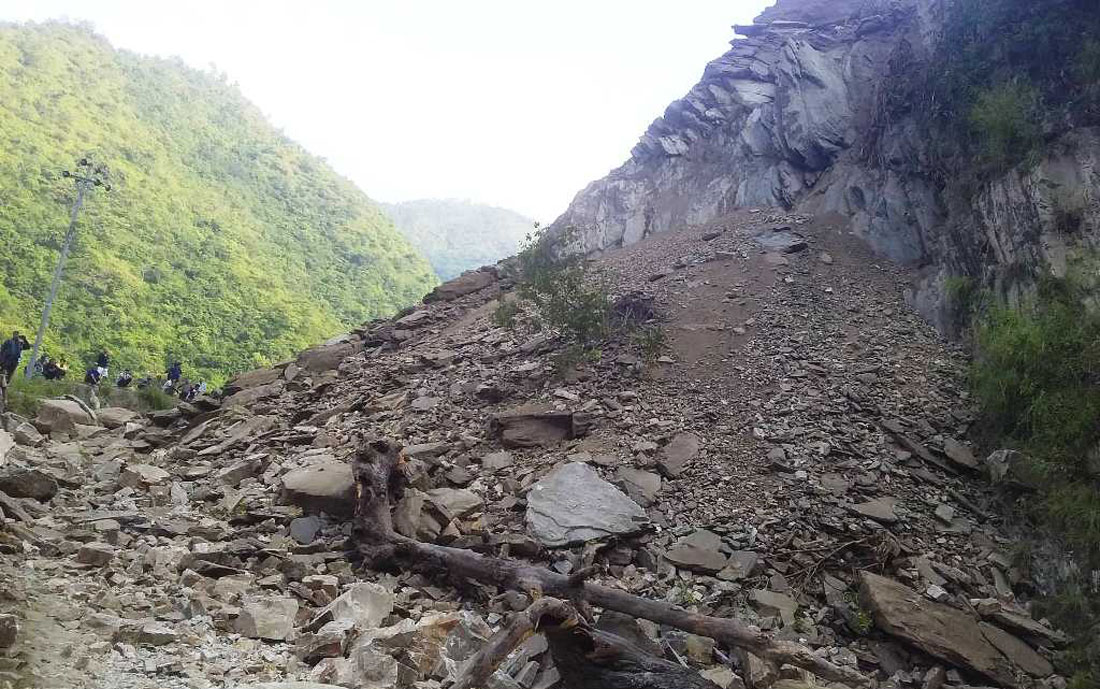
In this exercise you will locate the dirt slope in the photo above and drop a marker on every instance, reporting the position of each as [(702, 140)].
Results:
[(802, 427)]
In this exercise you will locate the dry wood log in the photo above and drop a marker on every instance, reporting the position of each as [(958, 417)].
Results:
[(586, 658), (380, 482)]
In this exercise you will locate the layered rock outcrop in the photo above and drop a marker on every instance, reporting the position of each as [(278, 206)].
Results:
[(818, 108)]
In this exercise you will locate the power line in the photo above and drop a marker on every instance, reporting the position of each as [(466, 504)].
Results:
[(87, 177)]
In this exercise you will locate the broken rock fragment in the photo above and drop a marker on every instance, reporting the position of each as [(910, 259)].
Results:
[(28, 483), (572, 504), (939, 630), (268, 618), (62, 416), (676, 455), (535, 427), (699, 551)]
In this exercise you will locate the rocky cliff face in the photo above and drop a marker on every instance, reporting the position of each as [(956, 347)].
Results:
[(815, 109)]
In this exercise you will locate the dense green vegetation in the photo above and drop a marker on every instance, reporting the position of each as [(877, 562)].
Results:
[(1007, 71), (1036, 376), (457, 236), (223, 243), (1010, 76)]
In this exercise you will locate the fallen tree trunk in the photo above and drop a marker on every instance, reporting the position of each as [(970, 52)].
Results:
[(586, 658), (380, 482)]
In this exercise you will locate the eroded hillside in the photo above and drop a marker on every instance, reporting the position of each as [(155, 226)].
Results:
[(222, 244), (793, 460)]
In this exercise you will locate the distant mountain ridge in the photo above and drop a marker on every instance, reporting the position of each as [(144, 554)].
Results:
[(457, 235), (223, 243)]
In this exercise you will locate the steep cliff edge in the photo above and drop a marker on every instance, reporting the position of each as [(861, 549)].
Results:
[(836, 106)]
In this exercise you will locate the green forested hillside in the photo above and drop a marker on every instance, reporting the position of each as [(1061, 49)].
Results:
[(223, 243), (458, 235)]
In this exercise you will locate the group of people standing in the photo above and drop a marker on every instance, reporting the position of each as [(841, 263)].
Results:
[(174, 382), (11, 352)]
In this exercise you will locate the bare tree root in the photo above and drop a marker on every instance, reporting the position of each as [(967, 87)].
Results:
[(380, 481), (522, 625)]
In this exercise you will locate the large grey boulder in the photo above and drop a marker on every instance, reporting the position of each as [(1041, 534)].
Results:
[(324, 487), (27, 483), (572, 504), (364, 605), (26, 434), (462, 285), (251, 379), (325, 357), (268, 618), (247, 396), (534, 426), (116, 417), (62, 416), (456, 502), (142, 475), (939, 630)]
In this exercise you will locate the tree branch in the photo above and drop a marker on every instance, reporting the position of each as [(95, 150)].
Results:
[(377, 472)]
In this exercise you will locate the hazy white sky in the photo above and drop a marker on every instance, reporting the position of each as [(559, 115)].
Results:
[(511, 102)]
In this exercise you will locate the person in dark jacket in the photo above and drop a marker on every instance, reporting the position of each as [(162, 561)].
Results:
[(92, 376), (51, 371), (175, 372), (125, 379), (10, 353)]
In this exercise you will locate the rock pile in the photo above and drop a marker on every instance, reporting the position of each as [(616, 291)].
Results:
[(795, 458)]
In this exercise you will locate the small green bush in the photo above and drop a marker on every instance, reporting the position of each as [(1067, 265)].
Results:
[(154, 399), (652, 342), (1005, 119), (504, 315), (1036, 376), (1087, 65), (566, 295)]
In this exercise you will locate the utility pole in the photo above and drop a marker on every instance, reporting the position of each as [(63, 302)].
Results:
[(86, 177)]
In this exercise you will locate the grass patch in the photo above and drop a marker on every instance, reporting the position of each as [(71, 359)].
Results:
[(1005, 118), (1035, 376), (24, 396), (505, 314)]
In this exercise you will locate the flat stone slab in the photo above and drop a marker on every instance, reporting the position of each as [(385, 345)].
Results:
[(782, 241), (116, 417), (676, 455), (960, 454), (698, 551), (572, 504), (879, 509), (939, 630), (641, 486)]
